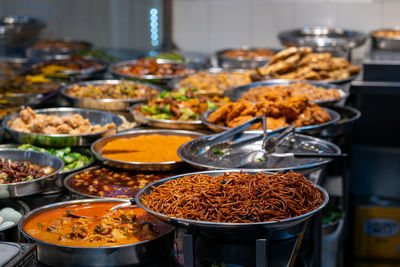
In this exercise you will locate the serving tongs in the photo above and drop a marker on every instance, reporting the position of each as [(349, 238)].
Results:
[(218, 145)]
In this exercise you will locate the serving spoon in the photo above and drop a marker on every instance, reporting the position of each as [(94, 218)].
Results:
[(128, 203)]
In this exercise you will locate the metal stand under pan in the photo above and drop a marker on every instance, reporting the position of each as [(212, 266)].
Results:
[(247, 248)]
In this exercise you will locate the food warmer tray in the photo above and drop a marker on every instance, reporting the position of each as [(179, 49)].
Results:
[(103, 103), (142, 166), (236, 93), (251, 156), (62, 140), (311, 129), (166, 124)]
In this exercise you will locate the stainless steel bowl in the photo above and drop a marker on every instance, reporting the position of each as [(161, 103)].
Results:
[(323, 37), (63, 174), (239, 62), (42, 52), (122, 255), (271, 225), (28, 188), (63, 140), (81, 74), (348, 118), (311, 129), (385, 43), (163, 80), (110, 104), (11, 233), (19, 31), (252, 157), (143, 166), (165, 124), (236, 93)]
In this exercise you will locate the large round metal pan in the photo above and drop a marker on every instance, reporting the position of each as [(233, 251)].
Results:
[(348, 118), (165, 124), (63, 140), (148, 78), (110, 104), (35, 186), (46, 51), (240, 62), (271, 225), (252, 157), (319, 36), (236, 93), (311, 129), (123, 255), (142, 166), (385, 43)]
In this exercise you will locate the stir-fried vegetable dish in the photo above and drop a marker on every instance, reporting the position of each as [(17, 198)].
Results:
[(181, 104)]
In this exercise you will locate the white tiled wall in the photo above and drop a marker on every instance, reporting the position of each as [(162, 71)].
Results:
[(230, 23), (202, 25)]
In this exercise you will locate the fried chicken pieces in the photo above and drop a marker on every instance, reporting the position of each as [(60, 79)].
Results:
[(280, 113), (30, 122), (299, 63)]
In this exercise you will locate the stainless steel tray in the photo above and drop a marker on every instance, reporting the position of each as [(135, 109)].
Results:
[(311, 129), (123, 255), (272, 225), (34, 52), (166, 124), (236, 93), (385, 43), (252, 157), (103, 103), (57, 140), (35, 186), (319, 36), (241, 63), (143, 166), (148, 78)]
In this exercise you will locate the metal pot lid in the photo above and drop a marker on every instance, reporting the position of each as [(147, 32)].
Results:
[(320, 36), (251, 156)]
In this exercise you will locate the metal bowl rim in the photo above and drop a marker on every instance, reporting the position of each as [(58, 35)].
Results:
[(45, 177), (371, 34), (221, 224), (335, 117), (220, 53), (78, 201), (61, 109), (140, 131)]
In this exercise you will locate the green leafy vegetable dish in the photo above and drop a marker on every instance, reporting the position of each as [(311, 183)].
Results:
[(72, 159)]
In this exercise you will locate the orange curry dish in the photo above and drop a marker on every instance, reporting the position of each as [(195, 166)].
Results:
[(101, 228), (145, 148)]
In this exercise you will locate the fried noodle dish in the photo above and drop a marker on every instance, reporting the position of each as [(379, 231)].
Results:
[(235, 197)]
